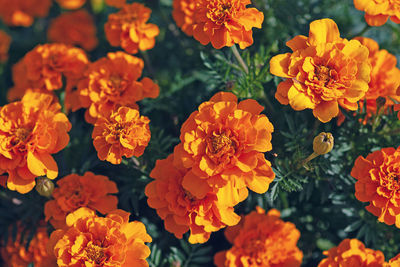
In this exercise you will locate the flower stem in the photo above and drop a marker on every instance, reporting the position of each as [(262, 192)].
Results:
[(239, 59)]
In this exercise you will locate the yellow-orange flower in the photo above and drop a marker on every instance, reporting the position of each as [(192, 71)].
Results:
[(5, 41), (352, 252), (116, 3), (186, 202), (123, 133), (323, 72), (128, 28), (71, 4), (225, 22), (74, 28), (377, 12), (183, 14), (75, 191), (15, 253), (23, 12), (90, 240), (394, 262), (224, 141), (378, 182), (261, 240), (111, 82), (30, 131)]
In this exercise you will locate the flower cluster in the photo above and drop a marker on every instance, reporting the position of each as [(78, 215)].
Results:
[(323, 72), (17, 254), (219, 157), (378, 183), (261, 240), (23, 12), (128, 28), (30, 131), (75, 191), (74, 28), (352, 252), (377, 12), (89, 240), (219, 22)]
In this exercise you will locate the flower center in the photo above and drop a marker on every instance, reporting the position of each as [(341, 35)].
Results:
[(393, 181), (115, 81), (323, 74), (20, 136), (221, 11), (95, 253), (220, 142)]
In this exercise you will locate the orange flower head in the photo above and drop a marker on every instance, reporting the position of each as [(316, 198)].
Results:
[(75, 191), (378, 182), (128, 28), (23, 12), (112, 82), (352, 252), (5, 41), (30, 131), (225, 22), (124, 133), (323, 72), (184, 15), (377, 12), (261, 240), (89, 240), (394, 262), (71, 4), (15, 253), (225, 141), (116, 3), (74, 28), (186, 202)]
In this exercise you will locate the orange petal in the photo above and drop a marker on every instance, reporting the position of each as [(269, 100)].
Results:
[(279, 65), (42, 164), (323, 31), (325, 111)]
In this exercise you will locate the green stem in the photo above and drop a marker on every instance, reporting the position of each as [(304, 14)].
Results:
[(239, 59)]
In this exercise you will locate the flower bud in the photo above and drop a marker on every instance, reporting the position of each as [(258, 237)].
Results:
[(323, 143), (44, 187)]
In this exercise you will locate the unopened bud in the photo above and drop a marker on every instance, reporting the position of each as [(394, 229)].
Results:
[(44, 187), (323, 143)]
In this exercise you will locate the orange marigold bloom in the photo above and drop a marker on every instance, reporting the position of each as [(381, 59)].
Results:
[(184, 15), (377, 12), (186, 202), (323, 72), (225, 22), (116, 3), (124, 133), (30, 131), (394, 262), (128, 29), (90, 240), (378, 182), (5, 41), (74, 28), (75, 191), (225, 141), (15, 253), (23, 12), (352, 252), (261, 240), (111, 82), (71, 4)]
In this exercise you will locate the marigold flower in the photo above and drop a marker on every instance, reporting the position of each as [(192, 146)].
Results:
[(225, 22), (111, 82), (225, 141), (116, 3), (124, 133), (261, 240), (184, 15), (128, 29), (352, 252), (89, 240), (377, 12), (378, 183), (15, 253), (23, 12), (71, 4), (394, 262), (30, 131), (5, 41), (202, 212), (75, 191), (323, 72), (74, 28)]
